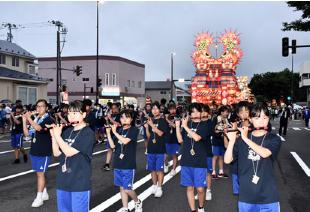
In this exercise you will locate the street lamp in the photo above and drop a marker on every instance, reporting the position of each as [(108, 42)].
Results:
[(97, 55), (172, 83)]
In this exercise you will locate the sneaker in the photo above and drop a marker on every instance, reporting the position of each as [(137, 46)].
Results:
[(37, 202), (172, 172), (196, 197), (223, 175), (16, 161), (214, 176), (208, 195), (201, 210), (45, 195), (138, 206), (25, 158), (124, 210), (166, 169), (158, 193), (106, 167), (154, 189)]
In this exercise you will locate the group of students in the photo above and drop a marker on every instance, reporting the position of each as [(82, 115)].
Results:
[(241, 138)]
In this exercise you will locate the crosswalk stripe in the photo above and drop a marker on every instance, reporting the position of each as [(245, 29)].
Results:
[(306, 128), (301, 163), (107, 203), (296, 128), (145, 194), (52, 165), (282, 139)]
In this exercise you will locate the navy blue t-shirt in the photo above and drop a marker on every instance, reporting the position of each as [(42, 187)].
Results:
[(78, 175), (199, 160), (208, 142), (17, 128), (91, 120), (42, 144), (159, 147), (172, 138), (265, 191), (129, 150)]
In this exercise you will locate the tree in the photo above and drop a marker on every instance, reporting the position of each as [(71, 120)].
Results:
[(302, 24), (276, 85)]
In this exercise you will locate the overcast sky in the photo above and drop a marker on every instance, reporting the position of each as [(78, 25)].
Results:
[(147, 32)]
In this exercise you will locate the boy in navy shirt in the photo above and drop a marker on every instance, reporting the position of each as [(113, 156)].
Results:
[(157, 132), (172, 145), (255, 153), (113, 119), (194, 155), (74, 147), (17, 134), (124, 142)]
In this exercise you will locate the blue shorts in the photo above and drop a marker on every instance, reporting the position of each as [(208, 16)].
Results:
[(40, 164), (247, 207), (124, 178), (209, 164), (235, 184), (17, 141), (218, 150), (107, 145), (73, 201), (155, 162), (195, 177), (172, 149)]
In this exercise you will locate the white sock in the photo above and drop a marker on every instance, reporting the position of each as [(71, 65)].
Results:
[(159, 187), (39, 195), (208, 190), (45, 190), (221, 171)]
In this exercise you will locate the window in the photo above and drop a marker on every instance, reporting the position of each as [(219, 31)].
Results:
[(139, 84), (15, 61), (2, 59), (113, 79), (31, 69), (133, 84), (128, 83), (28, 95), (106, 79)]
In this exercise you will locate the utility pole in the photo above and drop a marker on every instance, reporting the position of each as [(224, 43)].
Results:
[(97, 56), (10, 27), (60, 30), (172, 82)]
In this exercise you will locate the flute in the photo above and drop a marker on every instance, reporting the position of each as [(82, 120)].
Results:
[(249, 129), (48, 126)]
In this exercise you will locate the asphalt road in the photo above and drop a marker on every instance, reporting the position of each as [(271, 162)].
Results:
[(18, 182)]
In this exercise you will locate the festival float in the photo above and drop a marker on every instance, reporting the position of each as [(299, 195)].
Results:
[(215, 79)]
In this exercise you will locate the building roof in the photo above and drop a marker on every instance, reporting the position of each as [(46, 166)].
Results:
[(7, 47), (92, 57), (20, 76), (158, 85)]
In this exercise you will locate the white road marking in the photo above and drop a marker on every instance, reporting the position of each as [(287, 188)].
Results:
[(301, 163), (109, 202), (52, 165), (306, 128), (282, 139), (296, 128), (148, 192), (8, 151), (5, 141)]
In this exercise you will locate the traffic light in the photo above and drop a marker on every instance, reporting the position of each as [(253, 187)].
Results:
[(294, 43), (78, 70), (285, 46), (99, 82)]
